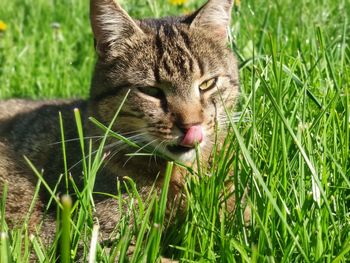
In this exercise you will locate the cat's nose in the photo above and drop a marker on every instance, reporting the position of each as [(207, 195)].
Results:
[(192, 135)]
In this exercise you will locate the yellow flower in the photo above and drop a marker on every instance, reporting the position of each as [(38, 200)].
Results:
[(177, 2), (187, 11), (3, 26)]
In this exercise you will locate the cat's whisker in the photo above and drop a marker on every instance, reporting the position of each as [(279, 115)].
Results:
[(134, 137), (155, 152), (138, 139), (77, 139), (111, 145), (122, 146), (98, 137), (111, 155), (140, 149), (234, 117), (125, 133), (106, 147)]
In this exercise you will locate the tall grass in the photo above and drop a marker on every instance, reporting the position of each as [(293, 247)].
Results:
[(291, 145)]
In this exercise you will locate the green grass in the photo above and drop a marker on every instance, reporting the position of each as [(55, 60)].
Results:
[(291, 146)]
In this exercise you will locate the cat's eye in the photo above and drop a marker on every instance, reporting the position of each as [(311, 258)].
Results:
[(152, 91), (208, 84)]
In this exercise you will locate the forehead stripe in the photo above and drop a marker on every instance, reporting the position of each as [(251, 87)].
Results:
[(159, 52)]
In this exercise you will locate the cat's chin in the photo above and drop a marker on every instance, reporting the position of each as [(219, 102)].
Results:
[(180, 153)]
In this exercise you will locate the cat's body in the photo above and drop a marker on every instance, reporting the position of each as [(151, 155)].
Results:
[(181, 76), (31, 128)]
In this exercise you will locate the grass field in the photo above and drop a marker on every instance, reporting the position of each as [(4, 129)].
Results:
[(291, 146)]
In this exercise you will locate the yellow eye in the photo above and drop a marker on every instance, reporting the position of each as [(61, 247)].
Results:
[(208, 84)]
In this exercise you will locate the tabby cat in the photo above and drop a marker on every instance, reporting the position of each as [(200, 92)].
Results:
[(179, 75)]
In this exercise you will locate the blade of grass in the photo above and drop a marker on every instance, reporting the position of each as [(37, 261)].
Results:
[(259, 178), (66, 202)]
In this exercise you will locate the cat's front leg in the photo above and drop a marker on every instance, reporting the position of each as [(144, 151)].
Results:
[(176, 204)]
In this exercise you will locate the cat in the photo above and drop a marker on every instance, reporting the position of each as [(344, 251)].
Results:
[(180, 76)]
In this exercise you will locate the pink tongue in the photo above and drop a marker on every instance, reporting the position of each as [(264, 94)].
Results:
[(193, 135)]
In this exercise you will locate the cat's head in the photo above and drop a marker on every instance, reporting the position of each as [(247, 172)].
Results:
[(179, 70)]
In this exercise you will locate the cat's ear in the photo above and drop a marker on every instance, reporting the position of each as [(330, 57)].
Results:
[(110, 23), (214, 16)]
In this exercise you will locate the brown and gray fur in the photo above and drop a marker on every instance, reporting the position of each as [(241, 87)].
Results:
[(162, 62)]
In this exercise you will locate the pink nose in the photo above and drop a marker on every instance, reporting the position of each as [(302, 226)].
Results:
[(192, 136)]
